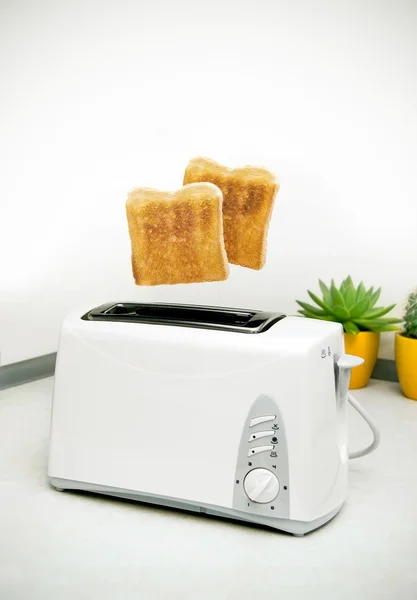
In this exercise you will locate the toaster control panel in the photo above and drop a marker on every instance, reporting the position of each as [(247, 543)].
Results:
[(261, 483)]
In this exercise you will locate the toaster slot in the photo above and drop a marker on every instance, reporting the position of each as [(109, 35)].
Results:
[(183, 315), (194, 315)]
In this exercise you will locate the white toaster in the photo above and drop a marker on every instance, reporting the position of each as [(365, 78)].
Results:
[(229, 412)]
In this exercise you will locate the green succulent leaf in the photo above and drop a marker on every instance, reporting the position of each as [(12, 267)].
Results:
[(350, 296), (325, 291), (341, 312), (350, 327), (337, 297), (360, 292), (378, 312), (360, 308), (321, 303), (312, 309), (343, 286), (346, 284), (378, 324), (384, 320), (375, 297), (313, 316)]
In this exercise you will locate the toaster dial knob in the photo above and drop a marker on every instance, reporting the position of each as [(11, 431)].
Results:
[(261, 486)]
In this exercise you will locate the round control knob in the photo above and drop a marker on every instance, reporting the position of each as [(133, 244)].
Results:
[(261, 486)]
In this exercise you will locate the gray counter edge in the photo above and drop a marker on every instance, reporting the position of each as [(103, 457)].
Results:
[(27, 370)]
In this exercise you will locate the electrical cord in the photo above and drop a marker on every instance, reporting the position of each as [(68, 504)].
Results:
[(367, 417)]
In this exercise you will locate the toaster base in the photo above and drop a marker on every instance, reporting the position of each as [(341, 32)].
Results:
[(297, 528)]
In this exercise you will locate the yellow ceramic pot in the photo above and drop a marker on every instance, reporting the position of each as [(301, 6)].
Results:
[(366, 345), (406, 360)]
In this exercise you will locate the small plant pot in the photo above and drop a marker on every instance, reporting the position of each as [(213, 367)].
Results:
[(406, 360), (366, 345)]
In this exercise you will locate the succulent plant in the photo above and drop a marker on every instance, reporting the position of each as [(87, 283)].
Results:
[(353, 307), (410, 316)]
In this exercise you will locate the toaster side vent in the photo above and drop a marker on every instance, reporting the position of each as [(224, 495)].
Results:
[(184, 315)]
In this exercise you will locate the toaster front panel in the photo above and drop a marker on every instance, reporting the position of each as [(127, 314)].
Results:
[(170, 434), (166, 412)]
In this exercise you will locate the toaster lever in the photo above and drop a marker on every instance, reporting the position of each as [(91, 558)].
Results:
[(348, 361), (345, 363)]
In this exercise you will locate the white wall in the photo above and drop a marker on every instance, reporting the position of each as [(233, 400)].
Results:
[(99, 97)]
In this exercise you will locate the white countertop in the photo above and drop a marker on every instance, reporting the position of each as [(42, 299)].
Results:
[(79, 546)]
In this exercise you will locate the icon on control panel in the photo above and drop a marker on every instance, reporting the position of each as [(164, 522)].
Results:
[(275, 426), (274, 466), (273, 454)]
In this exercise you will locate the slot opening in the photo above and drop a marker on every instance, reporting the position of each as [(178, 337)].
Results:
[(164, 313), (184, 315)]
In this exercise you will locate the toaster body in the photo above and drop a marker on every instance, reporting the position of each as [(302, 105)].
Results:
[(222, 411)]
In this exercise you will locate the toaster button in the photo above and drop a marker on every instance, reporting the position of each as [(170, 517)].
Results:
[(260, 434), (264, 419), (259, 449)]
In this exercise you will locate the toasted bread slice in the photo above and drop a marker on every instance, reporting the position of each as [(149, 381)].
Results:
[(248, 200), (177, 237)]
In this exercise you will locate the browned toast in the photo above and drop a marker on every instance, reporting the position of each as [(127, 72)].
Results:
[(177, 237), (248, 200)]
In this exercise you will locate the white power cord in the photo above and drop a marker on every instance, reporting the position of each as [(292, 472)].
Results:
[(365, 415)]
